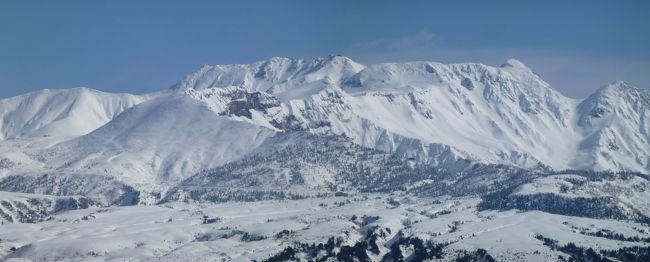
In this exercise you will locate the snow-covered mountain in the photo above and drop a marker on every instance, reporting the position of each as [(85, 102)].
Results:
[(386, 162), (282, 77), (452, 116), (615, 122), (161, 140), (67, 113), (436, 113)]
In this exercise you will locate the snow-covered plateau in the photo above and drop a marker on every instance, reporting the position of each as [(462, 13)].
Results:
[(328, 160)]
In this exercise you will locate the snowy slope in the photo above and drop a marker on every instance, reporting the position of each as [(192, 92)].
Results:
[(501, 115), (158, 141), (67, 112)]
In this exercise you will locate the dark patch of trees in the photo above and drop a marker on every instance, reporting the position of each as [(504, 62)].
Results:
[(577, 253)]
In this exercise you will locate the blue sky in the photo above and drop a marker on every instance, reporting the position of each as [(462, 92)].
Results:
[(145, 46)]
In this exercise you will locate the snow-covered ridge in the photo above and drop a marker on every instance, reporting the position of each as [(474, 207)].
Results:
[(447, 115), (279, 76)]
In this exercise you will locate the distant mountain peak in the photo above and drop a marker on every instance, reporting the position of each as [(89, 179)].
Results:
[(622, 90), (620, 86), (274, 75), (514, 63), (338, 58)]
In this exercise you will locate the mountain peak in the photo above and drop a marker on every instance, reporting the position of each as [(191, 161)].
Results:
[(619, 96), (623, 89), (273, 73), (514, 63), (338, 60), (337, 57), (619, 85)]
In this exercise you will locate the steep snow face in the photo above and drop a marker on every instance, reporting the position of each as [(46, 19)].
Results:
[(501, 115), (66, 113), (328, 111), (616, 124), (158, 142)]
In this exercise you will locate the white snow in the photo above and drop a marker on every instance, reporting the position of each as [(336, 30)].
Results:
[(174, 232), (505, 114), (159, 142), (69, 113), (446, 115)]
